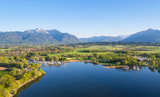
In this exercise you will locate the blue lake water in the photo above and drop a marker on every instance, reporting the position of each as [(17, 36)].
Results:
[(87, 80)]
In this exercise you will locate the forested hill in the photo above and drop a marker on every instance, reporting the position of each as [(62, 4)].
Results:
[(149, 35), (37, 36)]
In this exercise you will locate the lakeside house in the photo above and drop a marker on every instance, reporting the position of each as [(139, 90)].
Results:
[(45, 62), (28, 69), (140, 58), (145, 60)]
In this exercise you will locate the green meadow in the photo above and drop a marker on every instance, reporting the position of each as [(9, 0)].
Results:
[(111, 49)]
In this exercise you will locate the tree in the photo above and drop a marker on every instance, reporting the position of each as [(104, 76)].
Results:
[(32, 65), (56, 58), (118, 63), (37, 58), (42, 58), (4, 93), (125, 62), (37, 66), (6, 80), (20, 65), (13, 72), (152, 62)]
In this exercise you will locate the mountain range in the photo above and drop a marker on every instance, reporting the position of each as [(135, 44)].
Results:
[(149, 35), (101, 39), (41, 36), (37, 36)]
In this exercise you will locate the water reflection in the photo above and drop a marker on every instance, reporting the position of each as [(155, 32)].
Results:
[(153, 69), (129, 68), (134, 68), (27, 85), (122, 68), (50, 65)]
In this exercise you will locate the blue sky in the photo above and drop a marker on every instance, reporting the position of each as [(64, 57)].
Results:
[(83, 18)]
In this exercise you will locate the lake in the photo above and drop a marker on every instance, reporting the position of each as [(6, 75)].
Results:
[(78, 79)]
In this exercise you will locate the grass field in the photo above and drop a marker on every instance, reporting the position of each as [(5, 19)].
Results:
[(78, 51), (110, 49)]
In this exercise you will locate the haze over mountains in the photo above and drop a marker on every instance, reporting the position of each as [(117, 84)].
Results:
[(41, 36), (149, 35), (104, 38)]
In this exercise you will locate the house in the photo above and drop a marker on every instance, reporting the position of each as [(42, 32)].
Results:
[(28, 69)]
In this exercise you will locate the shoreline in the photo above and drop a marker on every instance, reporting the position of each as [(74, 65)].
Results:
[(30, 80), (72, 61), (112, 66)]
